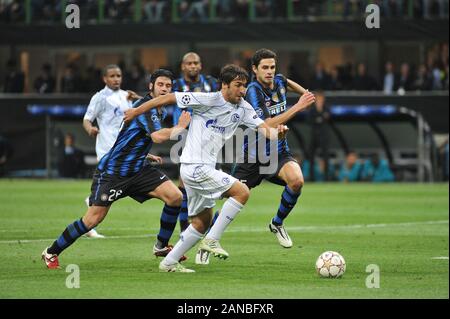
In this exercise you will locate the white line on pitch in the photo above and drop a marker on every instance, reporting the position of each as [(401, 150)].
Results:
[(440, 257), (248, 229)]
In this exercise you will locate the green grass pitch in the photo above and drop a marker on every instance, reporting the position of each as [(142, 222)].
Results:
[(402, 228)]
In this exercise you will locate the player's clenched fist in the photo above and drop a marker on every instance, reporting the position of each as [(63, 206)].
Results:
[(129, 115), (305, 100)]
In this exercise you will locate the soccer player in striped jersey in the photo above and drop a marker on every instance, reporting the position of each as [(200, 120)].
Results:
[(267, 95), (106, 108), (124, 171), (215, 118), (191, 80)]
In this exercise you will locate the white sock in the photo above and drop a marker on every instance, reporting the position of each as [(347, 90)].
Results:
[(229, 211), (187, 240)]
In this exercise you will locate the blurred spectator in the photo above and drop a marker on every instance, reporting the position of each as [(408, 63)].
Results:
[(119, 10), (389, 80), (93, 81), (6, 151), (320, 133), (377, 170), (353, 8), (444, 159), (363, 81), (136, 78), (71, 162), (435, 8), (423, 81), (393, 8), (405, 81), (335, 79), (14, 79), (320, 79), (224, 9), (195, 9), (263, 8), (71, 81), (241, 9), (12, 11), (319, 170), (350, 170), (294, 74), (154, 10), (45, 82), (45, 10)]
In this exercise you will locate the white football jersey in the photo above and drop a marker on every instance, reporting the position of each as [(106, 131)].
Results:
[(107, 107), (213, 122)]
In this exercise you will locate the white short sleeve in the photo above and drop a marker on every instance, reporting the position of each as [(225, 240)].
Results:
[(94, 108), (250, 118), (196, 99)]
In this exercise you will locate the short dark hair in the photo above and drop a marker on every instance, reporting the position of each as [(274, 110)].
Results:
[(109, 67), (232, 72), (263, 54), (161, 72)]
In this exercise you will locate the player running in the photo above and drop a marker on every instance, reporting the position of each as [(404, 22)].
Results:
[(123, 171), (191, 80), (106, 107), (267, 95), (215, 118)]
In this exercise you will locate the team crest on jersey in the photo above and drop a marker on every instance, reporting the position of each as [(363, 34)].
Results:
[(235, 118), (260, 112), (275, 97), (186, 100), (226, 180), (104, 197), (118, 111), (155, 118)]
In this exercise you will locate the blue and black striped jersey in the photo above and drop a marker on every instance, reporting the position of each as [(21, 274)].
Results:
[(128, 155), (205, 84), (267, 104)]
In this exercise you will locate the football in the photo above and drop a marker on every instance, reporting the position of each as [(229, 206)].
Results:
[(330, 264)]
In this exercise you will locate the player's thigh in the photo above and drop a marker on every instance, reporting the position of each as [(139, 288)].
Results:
[(291, 173), (169, 193)]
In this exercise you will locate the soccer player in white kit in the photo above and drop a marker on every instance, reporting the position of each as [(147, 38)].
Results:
[(215, 118), (107, 107)]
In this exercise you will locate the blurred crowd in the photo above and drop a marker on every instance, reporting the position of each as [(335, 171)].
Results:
[(432, 75), (158, 11)]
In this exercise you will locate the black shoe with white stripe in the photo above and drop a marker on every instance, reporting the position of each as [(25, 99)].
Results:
[(282, 235)]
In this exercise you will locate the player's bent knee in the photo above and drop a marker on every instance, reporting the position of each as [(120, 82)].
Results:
[(175, 199), (297, 184)]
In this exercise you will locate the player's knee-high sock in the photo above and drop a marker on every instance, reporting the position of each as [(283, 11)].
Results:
[(168, 222), (229, 211), (288, 200), (68, 237), (183, 211), (187, 240)]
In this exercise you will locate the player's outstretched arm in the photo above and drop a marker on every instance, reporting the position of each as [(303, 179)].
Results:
[(161, 100), (166, 133), (305, 100), (295, 87), (273, 133)]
